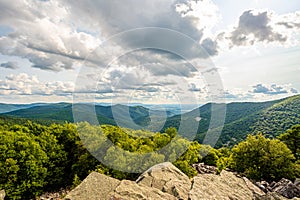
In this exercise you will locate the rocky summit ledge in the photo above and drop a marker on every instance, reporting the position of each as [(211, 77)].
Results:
[(165, 182)]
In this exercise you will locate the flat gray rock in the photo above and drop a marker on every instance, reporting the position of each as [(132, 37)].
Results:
[(130, 190), (167, 178), (225, 186), (95, 186)]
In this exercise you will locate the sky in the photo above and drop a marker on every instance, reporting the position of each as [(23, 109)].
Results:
[(150, 51)]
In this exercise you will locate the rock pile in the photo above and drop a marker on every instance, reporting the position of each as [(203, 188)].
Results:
[(54, 195), (165, 182), (284, 187), (205, 169)]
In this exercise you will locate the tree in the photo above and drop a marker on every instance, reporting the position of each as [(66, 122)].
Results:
[(209, 155), (292, 139), (22, 162), (191, 156), (172, 132), (262, 158)]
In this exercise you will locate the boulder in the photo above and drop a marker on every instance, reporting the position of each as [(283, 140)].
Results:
[(166, 178), (2, 194), (225, 186), (94, 187), (130, 190)]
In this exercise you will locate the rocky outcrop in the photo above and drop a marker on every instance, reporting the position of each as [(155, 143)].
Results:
[(95, 186), (165, 182), (219, 187), (167, 178), (130, 190), (2, 194)]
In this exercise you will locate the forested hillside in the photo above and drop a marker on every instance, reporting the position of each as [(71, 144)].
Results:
[(125, 116), (271, 118)]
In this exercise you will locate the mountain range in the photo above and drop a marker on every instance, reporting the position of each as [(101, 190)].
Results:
[(242, 118)]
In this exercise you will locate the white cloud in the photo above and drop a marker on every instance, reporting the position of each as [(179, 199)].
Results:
[(24, 84), (41, 35), (204, 13), (273, 89)]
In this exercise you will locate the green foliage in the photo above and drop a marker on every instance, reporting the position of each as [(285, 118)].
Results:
[(36, 158), (22, 165), (191, 156), (292, 139), (209, 155), (223, 161), (76, 181), (262, 158)]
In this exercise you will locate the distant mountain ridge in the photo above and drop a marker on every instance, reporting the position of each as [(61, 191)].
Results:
[(4, 107), (242, 118), (271, 118), (135, 117)]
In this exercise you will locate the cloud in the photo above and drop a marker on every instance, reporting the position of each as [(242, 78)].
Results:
[(41, 35), (56, 35), (229, 95), (194, 88), (294, 91), (10, 65), (113, 16), (272, 89), (24, 84), (255, 26)]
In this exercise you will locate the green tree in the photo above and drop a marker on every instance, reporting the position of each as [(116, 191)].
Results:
[(172, 132), (262, 158), (191, 156), (292, 139), (22, 165), (209, 155)]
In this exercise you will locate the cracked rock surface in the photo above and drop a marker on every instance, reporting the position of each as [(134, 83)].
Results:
[(166, 182)]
